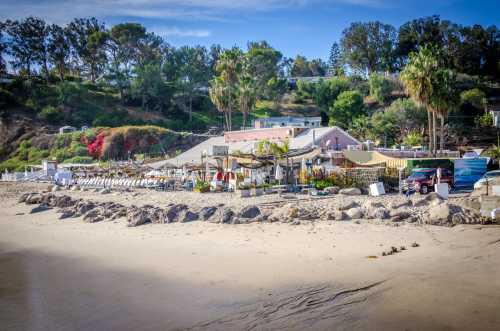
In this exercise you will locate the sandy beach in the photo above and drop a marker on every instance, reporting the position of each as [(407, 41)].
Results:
[(318, 275)]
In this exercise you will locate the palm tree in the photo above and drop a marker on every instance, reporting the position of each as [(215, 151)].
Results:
[(247, 96), (219, 94), (417, 77), (444, 98)]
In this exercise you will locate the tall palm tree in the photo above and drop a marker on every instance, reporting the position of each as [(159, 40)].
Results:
[(219, 94), (247, 96), (417, 77), (444, 98)]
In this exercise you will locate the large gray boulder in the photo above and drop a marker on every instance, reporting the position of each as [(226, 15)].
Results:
[(332, 189), (189, 216), (348, 205), (40, 208), (174, 211), (377, 213), (431, 199), (136, 217), (350, 191), (355, 213), (207, 212), (337, 215), (227, 215), (33, 199), (95, 215), (84, 207), (249, 212)]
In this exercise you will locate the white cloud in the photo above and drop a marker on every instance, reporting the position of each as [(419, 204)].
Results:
[(178, 32)]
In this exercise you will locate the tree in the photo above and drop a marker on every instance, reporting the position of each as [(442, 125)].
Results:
[(223, 88), (349, 105), (193, 73), (3, 47), (247, 95), (380, 87), (263, 64), (300, 67), (87, 38), (417, 76), (335, 66), (27, 44), (150, 87), (58, 49), (369, 47), (444, 98), (318, 68), (474, 97), (327, 91)]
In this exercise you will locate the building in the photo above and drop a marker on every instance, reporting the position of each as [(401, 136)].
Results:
[(324, 138), (285, 121)]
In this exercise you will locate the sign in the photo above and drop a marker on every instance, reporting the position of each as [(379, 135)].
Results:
[(220, 150)]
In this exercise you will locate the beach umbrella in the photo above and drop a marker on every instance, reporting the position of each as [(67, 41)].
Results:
[(279, 173)]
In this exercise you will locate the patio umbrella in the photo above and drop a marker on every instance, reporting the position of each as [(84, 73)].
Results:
[(279, 173)]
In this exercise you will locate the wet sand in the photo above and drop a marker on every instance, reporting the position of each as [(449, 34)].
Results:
[(70, 275)]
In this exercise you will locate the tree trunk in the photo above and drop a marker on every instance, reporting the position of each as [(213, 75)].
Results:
[(434, 136), (441, 140), (244, 119), (429, 123)]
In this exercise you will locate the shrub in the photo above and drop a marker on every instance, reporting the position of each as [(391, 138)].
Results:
[(484, 120), (202, 187), (52, 114), (348, 106), (380, 87), (413, 139), (475, 97), (80, 159)]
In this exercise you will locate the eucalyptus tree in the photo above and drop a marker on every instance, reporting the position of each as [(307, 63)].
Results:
[(58, 49)]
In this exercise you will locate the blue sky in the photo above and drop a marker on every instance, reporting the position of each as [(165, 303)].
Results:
[(306, 27)]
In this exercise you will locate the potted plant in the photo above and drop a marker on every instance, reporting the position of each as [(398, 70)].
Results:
[(202, 187), (244, 190)]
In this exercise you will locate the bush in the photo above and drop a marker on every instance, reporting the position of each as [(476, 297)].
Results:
[(52, 115), (348, 106), (80, 159), (202, 187), (475, 97), (413, 139), (484, 121), (380, 87)]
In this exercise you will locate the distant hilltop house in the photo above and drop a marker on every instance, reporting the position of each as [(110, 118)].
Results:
[(66, 129), (298, 135), (302, 122)]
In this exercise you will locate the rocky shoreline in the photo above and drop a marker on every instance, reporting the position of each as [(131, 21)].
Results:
[(430, 209)]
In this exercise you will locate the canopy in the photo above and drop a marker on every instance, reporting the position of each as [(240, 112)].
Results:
[(372, 158)]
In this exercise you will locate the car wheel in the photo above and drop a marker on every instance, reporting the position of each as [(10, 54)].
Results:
[(424, 189)]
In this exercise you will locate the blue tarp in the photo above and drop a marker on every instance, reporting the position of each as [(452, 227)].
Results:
[(469, 171)]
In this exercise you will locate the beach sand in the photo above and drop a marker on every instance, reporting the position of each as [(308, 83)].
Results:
[(71, 275)]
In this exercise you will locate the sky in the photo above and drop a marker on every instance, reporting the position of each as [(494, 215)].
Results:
[(306, 27)]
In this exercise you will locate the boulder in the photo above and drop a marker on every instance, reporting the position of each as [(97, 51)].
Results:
[(332, 189), (370, 204), (355, 213), (377, 213), (94, 215), (399, 204), (75, 188), (249, 212), (337, 215), (55, 188), (431, 199), (84, 207), (189, 216), (136, 217), (64, 201), (440, 214), (34, 198), (400, 215), (173, 212), (226, 215), (105, 191), (24, 197), (349, 205), (207, 212), (40, 208), (350, 191), (67, 213)]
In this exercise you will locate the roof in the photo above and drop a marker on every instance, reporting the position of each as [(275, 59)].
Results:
[(193, 155)]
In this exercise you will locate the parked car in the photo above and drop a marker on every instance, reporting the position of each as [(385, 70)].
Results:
[(422, 180), (487, 178)]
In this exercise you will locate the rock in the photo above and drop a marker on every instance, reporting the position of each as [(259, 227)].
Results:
[(64, 201), (284, 214), (348, 206), (55, 188), (105, 191), (136, 217), (431, 199), (75, 188), (378, 213), (67, 213), (295, 223), (24, 197), (94, 215), (173, 212), (370, 204), (189, 216), (48, 199), (227, 215), (332, 189), (84, 207), (40, 208), (350, 191), (442, 214), (397, 204), (307, 214), (399, 215), (355, 213), (338, 215), (249, 212), (34, 198), (236, 220), (207, 212)]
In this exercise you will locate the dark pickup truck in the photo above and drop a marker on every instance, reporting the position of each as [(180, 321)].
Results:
[(423, 179)]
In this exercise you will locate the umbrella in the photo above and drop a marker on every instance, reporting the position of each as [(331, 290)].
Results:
[(279, 173)]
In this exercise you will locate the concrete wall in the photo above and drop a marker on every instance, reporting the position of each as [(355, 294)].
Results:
[(259, 134), (342, 138)]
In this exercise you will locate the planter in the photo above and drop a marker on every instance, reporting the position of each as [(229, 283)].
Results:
[(244, 193), (258, 192)]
